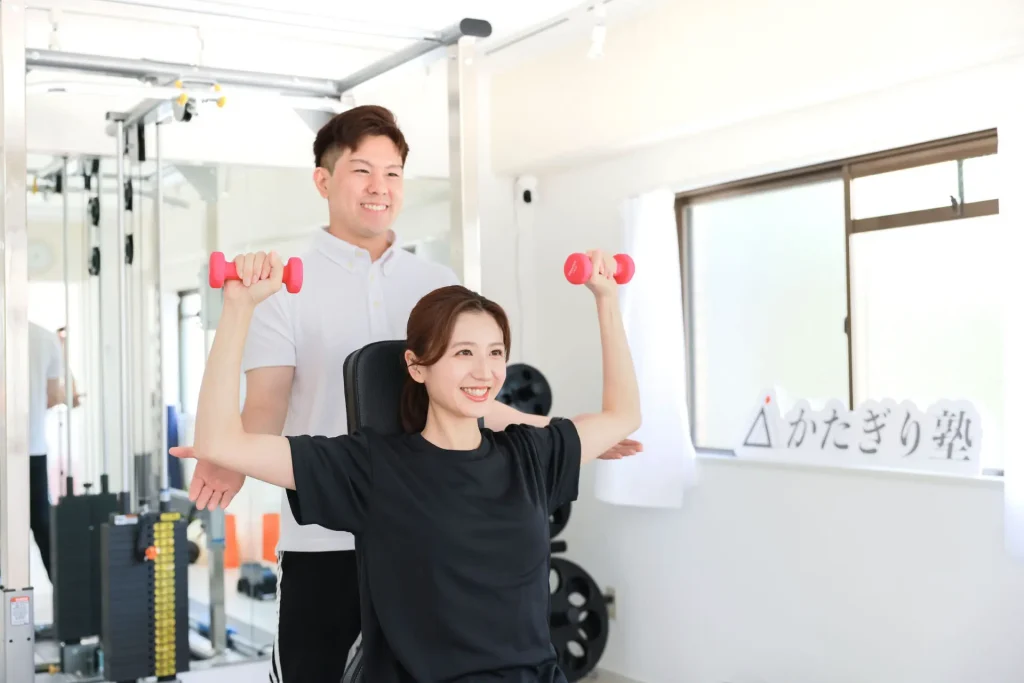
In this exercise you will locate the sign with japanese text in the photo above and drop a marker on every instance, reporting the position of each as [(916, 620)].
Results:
[(944, 438)]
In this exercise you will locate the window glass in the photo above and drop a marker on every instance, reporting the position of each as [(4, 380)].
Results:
[(768, 303)]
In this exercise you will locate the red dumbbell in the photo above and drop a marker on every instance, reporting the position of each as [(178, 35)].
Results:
[(221, 270), (578, 268)]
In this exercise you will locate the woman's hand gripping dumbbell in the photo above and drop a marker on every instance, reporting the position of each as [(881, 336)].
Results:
[(579, 267), (222, 270)]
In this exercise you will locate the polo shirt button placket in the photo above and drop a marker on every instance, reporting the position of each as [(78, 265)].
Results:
[(378, 325)]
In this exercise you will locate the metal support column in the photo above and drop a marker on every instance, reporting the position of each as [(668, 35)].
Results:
[(127, 459), (138, 328), (17, 631), (463, 150), (215, 532), (101, 355), (165, 494), (69, 386), (86, 373)]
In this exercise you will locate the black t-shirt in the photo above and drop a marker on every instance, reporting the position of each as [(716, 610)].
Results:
[(453, 546)]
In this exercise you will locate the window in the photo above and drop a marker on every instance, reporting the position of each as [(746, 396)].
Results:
[(867, 278), (766, 272)]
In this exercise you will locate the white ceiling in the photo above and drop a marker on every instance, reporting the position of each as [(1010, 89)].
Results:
[(379, 27), (383, 15), (313, 38)]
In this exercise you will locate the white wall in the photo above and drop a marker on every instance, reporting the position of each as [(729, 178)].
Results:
[(686, 67), (768, 574)]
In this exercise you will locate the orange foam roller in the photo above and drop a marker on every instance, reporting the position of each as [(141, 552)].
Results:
[(232, 558), (271, 533)]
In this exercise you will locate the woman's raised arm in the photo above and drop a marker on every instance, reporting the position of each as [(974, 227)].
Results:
[(219, 436), (620, 402)]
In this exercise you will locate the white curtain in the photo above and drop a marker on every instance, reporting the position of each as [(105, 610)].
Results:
[(1011, 209), (653, 315)]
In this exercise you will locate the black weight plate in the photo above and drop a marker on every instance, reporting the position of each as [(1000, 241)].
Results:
[(558, 519), (526, 389), (579, 619)]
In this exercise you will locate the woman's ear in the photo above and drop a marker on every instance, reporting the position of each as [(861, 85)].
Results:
[(415, 371)]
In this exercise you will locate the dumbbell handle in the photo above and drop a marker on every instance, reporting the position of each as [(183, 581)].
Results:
[(222, 270), (578, 268)]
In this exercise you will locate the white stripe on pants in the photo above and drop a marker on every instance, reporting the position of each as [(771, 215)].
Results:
[(275, 663)]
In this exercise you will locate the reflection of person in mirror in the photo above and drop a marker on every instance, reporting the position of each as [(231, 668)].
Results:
[(77, 397), (45, 369)]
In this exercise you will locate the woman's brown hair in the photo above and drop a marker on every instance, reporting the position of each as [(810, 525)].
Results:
[(428, 335)]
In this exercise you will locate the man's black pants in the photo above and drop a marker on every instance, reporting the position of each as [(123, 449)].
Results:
[(39, 506), (318, 616)]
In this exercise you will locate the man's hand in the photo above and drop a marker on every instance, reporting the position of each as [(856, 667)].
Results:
[(212, 485), (622, 449)]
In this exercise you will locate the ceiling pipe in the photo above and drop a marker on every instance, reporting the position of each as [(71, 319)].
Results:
[(145, 69), (170, 93), (153, 110), (296, 85), (475, 28)]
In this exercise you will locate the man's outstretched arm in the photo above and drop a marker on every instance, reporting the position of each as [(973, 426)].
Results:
[(503, 415)]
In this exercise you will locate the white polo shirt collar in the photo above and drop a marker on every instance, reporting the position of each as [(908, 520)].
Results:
[(352, 258)]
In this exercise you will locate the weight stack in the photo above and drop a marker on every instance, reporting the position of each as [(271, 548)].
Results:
[(145, 596), (76, 522)]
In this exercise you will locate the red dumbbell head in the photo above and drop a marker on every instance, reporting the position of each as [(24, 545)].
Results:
[(218, 269), (293, 274), (578, 268), (624, 273)]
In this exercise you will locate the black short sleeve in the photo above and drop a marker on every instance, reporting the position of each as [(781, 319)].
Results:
[(333, 479), (557, 447)]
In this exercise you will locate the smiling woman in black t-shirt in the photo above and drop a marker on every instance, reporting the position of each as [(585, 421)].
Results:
[(451, 520)]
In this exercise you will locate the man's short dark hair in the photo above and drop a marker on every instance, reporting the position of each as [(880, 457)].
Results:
[(348, 129)]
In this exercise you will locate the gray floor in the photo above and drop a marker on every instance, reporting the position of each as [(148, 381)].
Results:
[(248, 673), (258, 637), (258, 671)]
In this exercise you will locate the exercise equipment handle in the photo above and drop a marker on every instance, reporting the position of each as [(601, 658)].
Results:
[(222, 270), (578, 268)]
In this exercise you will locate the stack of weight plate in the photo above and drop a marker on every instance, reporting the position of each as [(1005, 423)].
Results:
[(579, 610)]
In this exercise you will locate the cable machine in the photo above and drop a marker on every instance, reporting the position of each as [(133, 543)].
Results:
[(76, 519)]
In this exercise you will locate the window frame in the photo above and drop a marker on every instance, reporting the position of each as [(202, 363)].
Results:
[(958, 148)]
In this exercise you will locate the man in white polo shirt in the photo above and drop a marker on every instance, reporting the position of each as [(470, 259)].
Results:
[(359, 286)]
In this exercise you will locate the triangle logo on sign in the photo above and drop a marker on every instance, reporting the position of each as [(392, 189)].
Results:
[(759, 435)]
